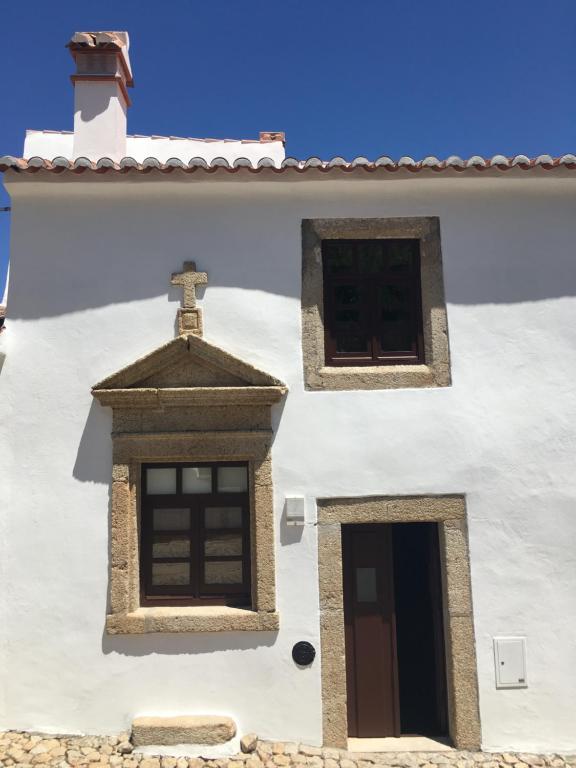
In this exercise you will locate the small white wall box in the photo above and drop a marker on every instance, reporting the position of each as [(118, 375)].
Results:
[(294, 510), (510, 661)]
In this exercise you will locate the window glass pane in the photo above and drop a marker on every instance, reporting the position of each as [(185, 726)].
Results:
[(223, 572), (397, 338), (372, 256), (351, 340), (223, 517), (196, 480), (171, 519), (394, 301), (348, 331), (366, 585), (394, 306), (161, 480), (346, 294), (232, 479), (347, 316), (400, 255), (223, 544), (169, 546), (170, 574), (338, 258)]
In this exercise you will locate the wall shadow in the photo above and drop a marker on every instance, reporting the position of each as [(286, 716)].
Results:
[(495, 242), (185, 643), (94, 457), (97, 104)]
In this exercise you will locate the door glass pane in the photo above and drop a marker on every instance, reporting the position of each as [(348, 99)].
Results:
[(196, 480), (366, 585), (223, 572), (161, 480), (223, 517), (232, 479), (170, 574), (171, 519), (223, 544), (169, 546)]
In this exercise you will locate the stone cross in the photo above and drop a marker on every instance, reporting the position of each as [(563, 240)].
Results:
[(189, 279), (189, 315)]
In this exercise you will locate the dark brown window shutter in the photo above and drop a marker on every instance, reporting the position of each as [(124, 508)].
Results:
[(372, 302)]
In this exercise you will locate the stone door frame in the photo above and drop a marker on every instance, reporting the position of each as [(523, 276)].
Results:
[(462, 683)]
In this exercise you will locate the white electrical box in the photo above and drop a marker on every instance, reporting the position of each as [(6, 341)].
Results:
[(295, 510), (510, 661)]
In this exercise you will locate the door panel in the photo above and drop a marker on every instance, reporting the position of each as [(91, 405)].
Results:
[(371, 665)]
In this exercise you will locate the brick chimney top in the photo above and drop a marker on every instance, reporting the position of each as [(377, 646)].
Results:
[(104, 49)]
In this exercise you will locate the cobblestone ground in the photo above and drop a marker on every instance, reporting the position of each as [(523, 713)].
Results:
[(25, 750)]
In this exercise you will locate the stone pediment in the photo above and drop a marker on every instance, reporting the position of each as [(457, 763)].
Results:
[(188, 371)]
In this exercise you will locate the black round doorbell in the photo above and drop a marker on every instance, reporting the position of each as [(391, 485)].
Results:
[(303, 653)]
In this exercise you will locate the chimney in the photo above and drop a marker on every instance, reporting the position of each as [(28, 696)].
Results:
[(101, 99)]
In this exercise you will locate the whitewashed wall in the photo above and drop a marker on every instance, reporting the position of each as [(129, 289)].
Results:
[(89, 293)]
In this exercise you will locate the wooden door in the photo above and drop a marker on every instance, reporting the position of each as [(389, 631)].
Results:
[(371, 658)]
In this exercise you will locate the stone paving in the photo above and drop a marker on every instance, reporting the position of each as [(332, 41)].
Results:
[(25, 750)]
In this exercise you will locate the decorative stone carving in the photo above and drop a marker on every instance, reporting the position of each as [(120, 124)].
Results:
[(189, 316), (189, 400)]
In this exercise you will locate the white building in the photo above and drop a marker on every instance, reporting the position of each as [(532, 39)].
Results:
[(362, 437)]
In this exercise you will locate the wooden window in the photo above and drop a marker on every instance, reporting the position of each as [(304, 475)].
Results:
[(195, 543), (372, 302)]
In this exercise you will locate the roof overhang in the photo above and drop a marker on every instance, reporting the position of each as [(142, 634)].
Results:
[(266, 166)]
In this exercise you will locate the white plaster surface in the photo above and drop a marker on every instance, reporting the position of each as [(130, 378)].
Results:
[(51, 144), (90, 292), (99, 120)]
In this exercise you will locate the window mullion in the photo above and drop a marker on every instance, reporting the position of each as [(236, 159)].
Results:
[(246, 549), (146, 543), (196, 546), (372, 291)]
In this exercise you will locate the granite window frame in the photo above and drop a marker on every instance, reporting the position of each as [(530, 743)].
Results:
[(435, 370), (127, 614)]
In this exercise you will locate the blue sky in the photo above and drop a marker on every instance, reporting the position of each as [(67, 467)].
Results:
[(370, 77)]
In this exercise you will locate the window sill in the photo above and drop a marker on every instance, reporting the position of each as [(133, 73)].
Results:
[(377, 377), (209, 618)]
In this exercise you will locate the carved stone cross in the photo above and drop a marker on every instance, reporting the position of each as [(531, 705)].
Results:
[(189, 279), (189, 315)]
